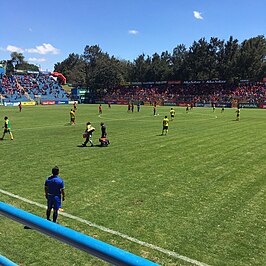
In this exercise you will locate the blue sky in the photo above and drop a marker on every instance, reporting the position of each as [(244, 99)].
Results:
[(48, 31)]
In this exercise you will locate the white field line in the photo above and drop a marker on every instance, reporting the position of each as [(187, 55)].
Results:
[(105, 118), (79, 124), (113, 232)]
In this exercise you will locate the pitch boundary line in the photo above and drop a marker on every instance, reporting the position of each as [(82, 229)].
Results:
[(113, 232), (105, 118)]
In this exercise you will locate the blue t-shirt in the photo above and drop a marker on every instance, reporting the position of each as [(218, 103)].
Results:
[(54, 184)]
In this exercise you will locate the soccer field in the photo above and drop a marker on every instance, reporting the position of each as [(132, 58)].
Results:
[(193, 197)]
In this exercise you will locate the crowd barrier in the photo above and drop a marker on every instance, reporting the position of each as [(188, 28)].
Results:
[(83, 242), (53, 102), (6, 262), (28, 103), (182, 104)]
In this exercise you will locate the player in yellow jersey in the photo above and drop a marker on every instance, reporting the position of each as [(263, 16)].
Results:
[(72, 117), (88, 134), (165, 125), (172, 114), (7, 129)]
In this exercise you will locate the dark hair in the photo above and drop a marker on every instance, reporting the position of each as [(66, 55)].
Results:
[(6, 117), (102, 124), (88, 123), (165, 116), (55, 170)]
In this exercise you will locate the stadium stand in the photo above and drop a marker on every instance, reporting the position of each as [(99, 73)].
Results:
[(45, 87), (25, 88), (196, 93)]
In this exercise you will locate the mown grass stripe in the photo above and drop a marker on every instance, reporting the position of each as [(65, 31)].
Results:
[(110, 231)]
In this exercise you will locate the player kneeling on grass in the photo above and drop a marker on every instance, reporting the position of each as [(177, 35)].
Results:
[(7, 129), (103, 140), (88, 134), (54, 187)]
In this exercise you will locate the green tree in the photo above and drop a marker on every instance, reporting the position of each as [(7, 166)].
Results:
[(251, 60), (179, 57), (198, 60), (73, 68), (140, 68), (102, 71), (17, 58), (166, 66), (227, 60)]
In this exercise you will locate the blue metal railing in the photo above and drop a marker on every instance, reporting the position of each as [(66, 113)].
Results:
[(93, 246), (6, 262)]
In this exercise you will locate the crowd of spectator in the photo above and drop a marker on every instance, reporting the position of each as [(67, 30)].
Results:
[(26, 87), (34, 86), (197, 93), (10, 87)]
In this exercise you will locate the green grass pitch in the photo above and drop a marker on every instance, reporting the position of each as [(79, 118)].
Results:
[(199, 191)]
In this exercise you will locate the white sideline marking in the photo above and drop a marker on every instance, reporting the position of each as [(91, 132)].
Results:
[(105, 229)]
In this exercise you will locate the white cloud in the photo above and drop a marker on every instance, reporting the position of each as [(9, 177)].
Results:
[(133, 32), (34, 59), (197, 15), (45, 48), (12, 48)]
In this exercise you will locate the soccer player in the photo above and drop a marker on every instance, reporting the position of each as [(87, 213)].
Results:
[(103, 140), (103, 129), (100, 109), (213, 107), (75, 106), (72, 117), (54, 188), (187, 108), (238, 114), (138, 106), (89, 129), (132, 107), (7, 129), (165, 125), (20, 106), (222, 108), (154, 109), (128, 107), (172, 114)]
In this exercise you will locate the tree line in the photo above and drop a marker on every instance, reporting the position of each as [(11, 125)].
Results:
[(213, 59), (203, 60), (17, 62)]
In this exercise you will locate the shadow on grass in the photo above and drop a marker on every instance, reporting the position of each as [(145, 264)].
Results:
[(69, 124), (26, 227), (94, 146)]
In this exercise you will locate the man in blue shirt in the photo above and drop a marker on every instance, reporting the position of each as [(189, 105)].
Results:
[(54, 187)]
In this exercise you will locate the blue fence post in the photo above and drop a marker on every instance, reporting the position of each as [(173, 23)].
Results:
[(83, 242)]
